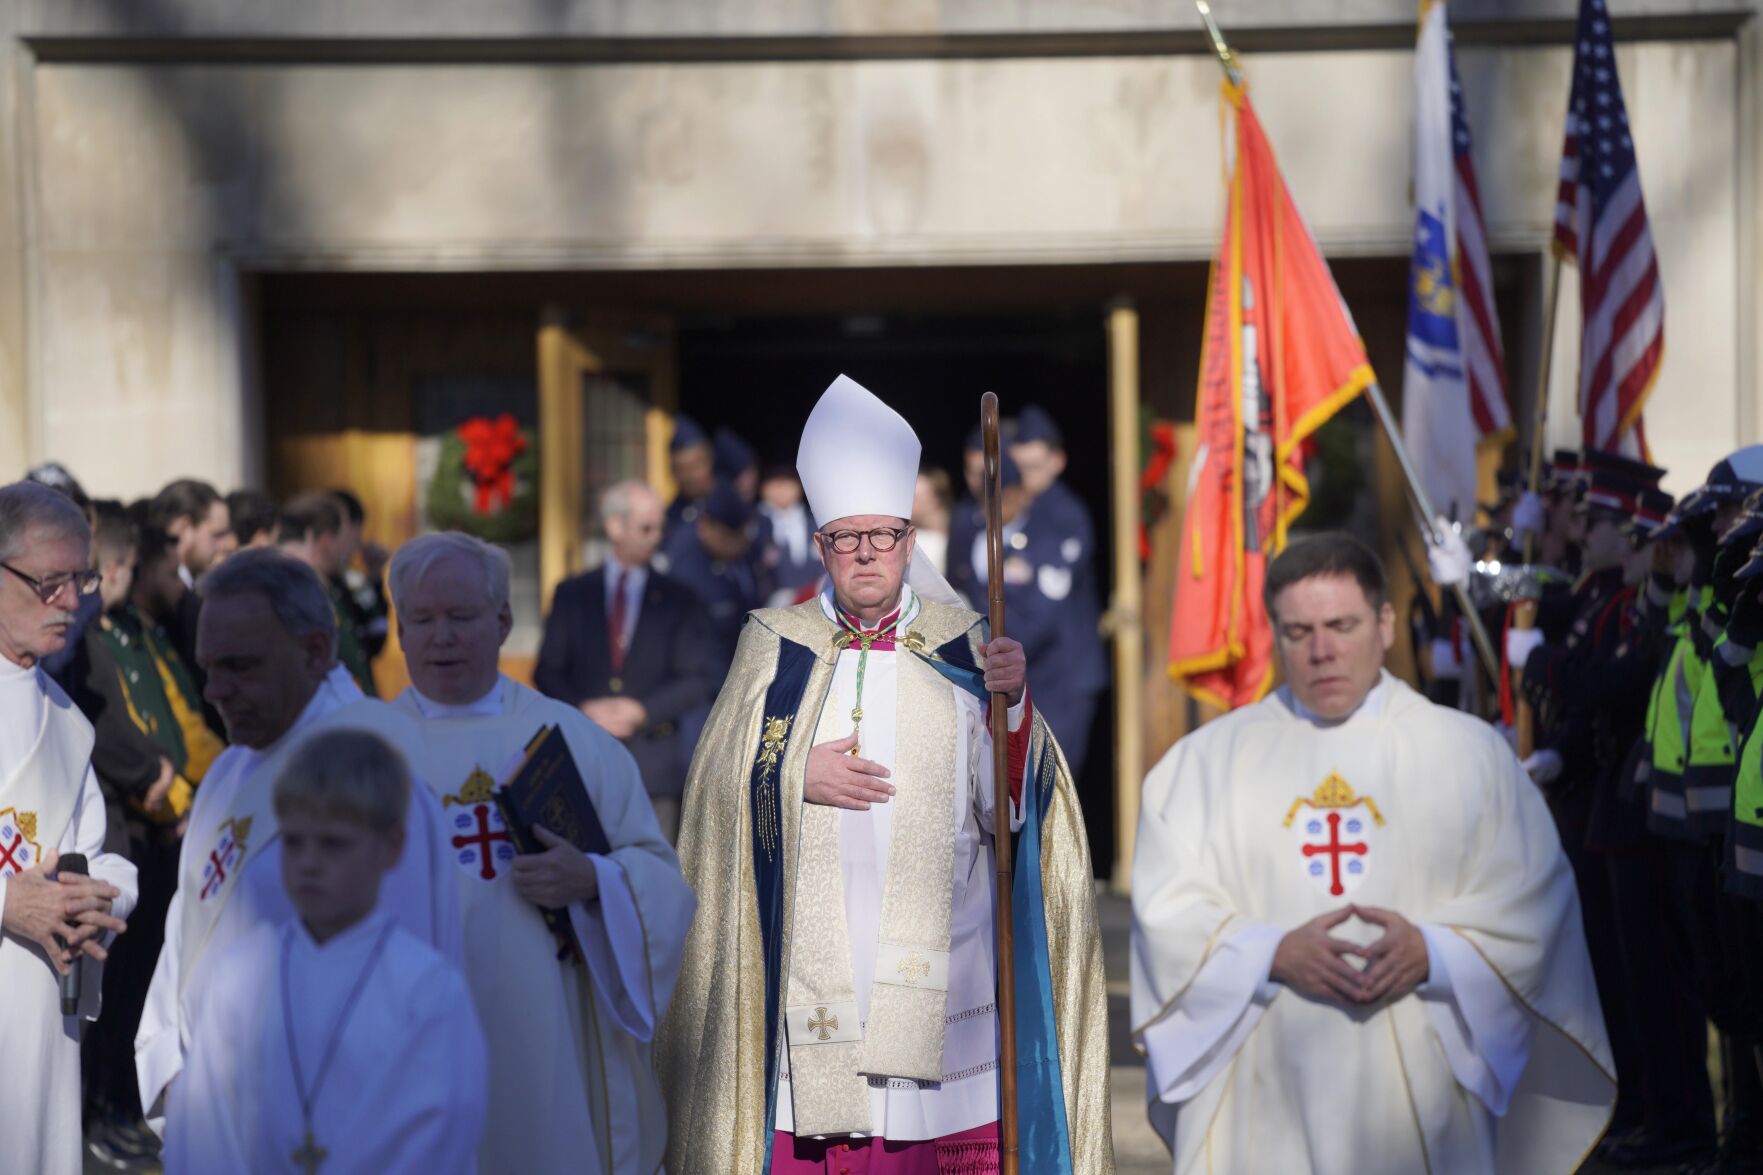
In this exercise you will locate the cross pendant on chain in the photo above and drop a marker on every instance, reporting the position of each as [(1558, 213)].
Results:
[(310, 1156)]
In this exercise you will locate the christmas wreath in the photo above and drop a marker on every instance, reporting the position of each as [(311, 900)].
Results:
[(486, 481)]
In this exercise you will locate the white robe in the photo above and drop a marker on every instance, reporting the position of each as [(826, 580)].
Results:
[(404, 1093), (571, 1084), (422, 891), (40, 1110), (967, 1097), (1498, 1062)]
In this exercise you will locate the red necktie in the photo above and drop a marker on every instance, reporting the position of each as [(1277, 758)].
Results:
[(615, 626)]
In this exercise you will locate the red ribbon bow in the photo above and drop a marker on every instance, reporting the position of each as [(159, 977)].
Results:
[(490, 449)]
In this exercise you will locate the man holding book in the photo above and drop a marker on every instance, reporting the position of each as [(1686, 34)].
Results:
[(573, 922), (837, 1005)]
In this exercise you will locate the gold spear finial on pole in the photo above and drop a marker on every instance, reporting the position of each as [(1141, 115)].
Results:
[(1220, 46)]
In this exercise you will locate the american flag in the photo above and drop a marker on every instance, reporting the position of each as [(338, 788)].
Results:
[(1601, 223), (1484, 357)]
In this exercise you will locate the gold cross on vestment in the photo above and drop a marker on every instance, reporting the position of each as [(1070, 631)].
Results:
[(913, 967), (310, 1156), (820, 1022)]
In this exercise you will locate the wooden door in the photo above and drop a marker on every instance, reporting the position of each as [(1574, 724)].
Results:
[(607, 396)]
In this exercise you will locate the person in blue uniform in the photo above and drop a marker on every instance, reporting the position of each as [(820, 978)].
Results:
[(693, 461), (1063, 539), (734, 461), (1043, 610), (717, 558)]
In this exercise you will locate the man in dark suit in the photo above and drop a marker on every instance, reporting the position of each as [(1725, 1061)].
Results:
[(630, 647)]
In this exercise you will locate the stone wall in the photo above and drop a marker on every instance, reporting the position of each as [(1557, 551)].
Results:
[(151, 189)]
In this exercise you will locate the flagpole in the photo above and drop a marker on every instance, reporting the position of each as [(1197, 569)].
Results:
[(1524, 616), (1422, 501)]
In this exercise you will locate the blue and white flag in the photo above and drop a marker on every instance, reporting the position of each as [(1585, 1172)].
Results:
[(1454, 380)]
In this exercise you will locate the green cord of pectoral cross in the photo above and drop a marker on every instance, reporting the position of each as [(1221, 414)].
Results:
[(863, 638)]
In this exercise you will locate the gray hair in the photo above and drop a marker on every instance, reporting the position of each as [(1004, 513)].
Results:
[(350, 775), (416, 557), (293, 590), (617, 499), (26, 506)]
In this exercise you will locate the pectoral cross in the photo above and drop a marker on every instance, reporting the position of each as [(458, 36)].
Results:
[(310, 1156)]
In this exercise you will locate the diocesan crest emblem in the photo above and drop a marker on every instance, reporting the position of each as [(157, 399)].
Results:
[(1336, 835), (480, 839), (18, 841), (225, 857)]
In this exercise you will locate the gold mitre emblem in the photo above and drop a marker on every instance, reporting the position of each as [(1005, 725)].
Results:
[(1333, 792), (27, 824), (475, 790)]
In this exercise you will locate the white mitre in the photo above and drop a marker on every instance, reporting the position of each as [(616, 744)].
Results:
[(859, 456)]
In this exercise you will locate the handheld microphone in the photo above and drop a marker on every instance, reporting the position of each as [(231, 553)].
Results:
[(70, 983)]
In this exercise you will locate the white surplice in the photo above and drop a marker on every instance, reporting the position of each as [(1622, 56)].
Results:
[(571, 1083), (49, 799), (421, 892), (403, 1094), (1269, 817), (967, 1097)]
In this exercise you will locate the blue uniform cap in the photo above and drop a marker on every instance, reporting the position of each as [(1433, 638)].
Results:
[(733, 455), (726, 506), (687, 433), (1036, 424)]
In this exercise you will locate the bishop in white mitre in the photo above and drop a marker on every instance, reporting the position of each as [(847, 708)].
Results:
[(571, 1085), (49, 805), (267, 641), (1357, 944), (839, 990)]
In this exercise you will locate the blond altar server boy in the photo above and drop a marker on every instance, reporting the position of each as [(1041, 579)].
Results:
[(336, 1041)]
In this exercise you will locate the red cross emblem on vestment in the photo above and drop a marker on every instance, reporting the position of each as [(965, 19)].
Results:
[(18, 845), (479, 836), (1335, 834), (225, 857)]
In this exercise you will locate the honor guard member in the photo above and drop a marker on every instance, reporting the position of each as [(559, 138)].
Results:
[(734, 461), (716, 558), (1666, 1100), (1569, 684), (694, 473), (1044, 599), (1690, 791)]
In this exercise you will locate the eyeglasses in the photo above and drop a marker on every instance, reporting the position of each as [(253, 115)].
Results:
[(84, 582), (881, 540)]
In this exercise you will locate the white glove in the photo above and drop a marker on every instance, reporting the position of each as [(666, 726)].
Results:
[(1544, 766), (1449, 558), (1520, 644), (1529, 515), (1446, 665)]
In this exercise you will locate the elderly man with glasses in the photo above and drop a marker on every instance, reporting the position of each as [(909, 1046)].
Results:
[(836, 1007), (50, 810)]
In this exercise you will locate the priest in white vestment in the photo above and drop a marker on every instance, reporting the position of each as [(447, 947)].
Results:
[(267, 643), (336, 1042), (839, 990), (1357, 945), (571, 1084), (49, 805)]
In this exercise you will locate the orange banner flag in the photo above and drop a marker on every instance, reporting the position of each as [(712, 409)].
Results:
[(1281, 356)]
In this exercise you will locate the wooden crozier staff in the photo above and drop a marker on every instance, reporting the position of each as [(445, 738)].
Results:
[(988, 416)]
